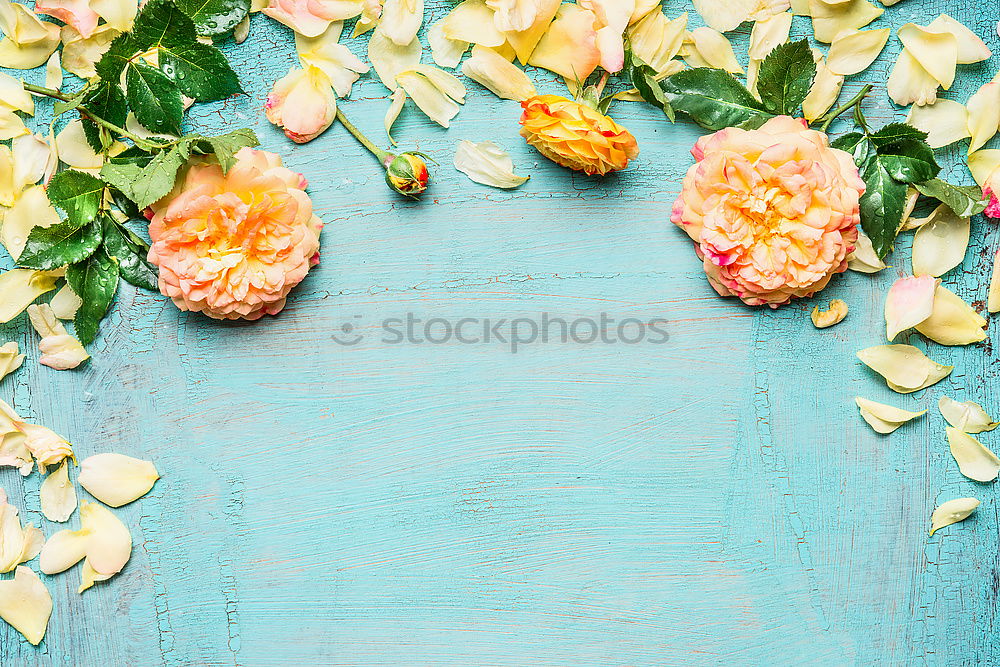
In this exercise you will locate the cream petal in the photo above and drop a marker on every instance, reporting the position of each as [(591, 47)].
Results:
[(89, 576), (119, 14), (12, 537), (57, 495), (46, 446), (401, 20), (488, 164), (398, 98), (884, 418), (968, 417), (60, 351), (834, 314), (11, 125), (613, 17), (389, 59), (984, 164), (940, 245), (10, 360), (864, 259), (952, 321), (910, 83), (302, 103), (937, 52), (32, 209), (974, 460), (29, 55), (242, 30), (513, 15), (19, 287), (429, 97), (944, 121), (33, 159), (993, 302), (115, 479), (73, 149), (822, 96), (109, 543), (724, 16), (909, 302), (336, 60), (854, 52), (63, 550), (569, 48), (26, 604), (65, 303), (473, 22), (79, 55), (714, 50), (971, 48), (768, 34), (657, 40), (984, 115), (14, 96), (643, 8), (951, 512), (13, 451), (832, 19), (54, 71), (446, 52), (506, 80), (905, 368)]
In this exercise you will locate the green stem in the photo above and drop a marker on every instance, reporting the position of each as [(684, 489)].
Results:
[(121, 131), (853, 103), (375, 150)]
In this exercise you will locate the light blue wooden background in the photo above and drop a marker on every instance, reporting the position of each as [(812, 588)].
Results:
[(714, 500)]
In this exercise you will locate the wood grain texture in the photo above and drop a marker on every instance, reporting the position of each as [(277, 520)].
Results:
[(712, 500)]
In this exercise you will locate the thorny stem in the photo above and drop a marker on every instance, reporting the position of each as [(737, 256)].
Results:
[(855, 103), (55, 94), (382, 155)]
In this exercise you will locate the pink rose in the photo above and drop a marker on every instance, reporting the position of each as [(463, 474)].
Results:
[(302, 103), (233, 246), (773, 212)]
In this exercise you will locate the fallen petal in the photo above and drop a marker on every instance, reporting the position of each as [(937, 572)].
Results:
[(910, 83), (835, 314), (854, 52), (952, 321), (971, 48), (115, 479), (657, 40), (488, 164), (446, 52), (952, 511), (993, 303), (940, 245), (909, 302), (937, 52), (984, 115), (57, 495), (884, 418), (831, 19), (713, 50), (10, 359), (968, 417), (389, 58), (944, 121), (401, 20), (905, 368), (109, 543), (62, 551), (569, 48), (80, 55), (473, 21), (506, 80), (864, 259), (974, 460), (60, 350), (65, 303), (19, 287), (26, 604)]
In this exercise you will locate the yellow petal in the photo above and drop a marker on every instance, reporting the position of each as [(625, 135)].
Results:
[(26, 604), (834, 314), (884, 418), (389, 59), (910, 83), (54, 72), (951, 512), (398, 98), (242, 30), (79, 55), (119, 14), (569, 48), (46, 446), (506, 80), (905, 368), (952, 321), (10, 361), (33, 159), (909, 302), (434, 91), (19, 287), (63, 550), (937, 52), (115, 479), (12, 537), (446, 52), (472, 21), (401, 20), (714, 50), (823, 95), (985, 166), (29, 53), (73, 149), (657, 40), (768, 34), (304, 19), (57, 495), (109, 543), (993, 304), (525, 41), (613, 17), (944, 121), (724, 16), (14, 96), (65, 303), (854, 52), (971, 49), (832, 19), (60, 350), (488, 164), (940, 245), (513, 15), (974, 460), (336, 60), (32, 209), (968, 417), (984, 115), (11, 125)]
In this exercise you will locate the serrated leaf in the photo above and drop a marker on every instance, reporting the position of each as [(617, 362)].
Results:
[(112, 63), (643, 78), (965, 200), (215, 17), (713, 99), (154, 98), (226, 146), (145, 185), (200, 71), (894, 132), (882, 205), (162, 23), (95, 281), (856, 144), (49, 248), (79, 195), (905, 154), (107, 101), (130, 252), (785, 77)]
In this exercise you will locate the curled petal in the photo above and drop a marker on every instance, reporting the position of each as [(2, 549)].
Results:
[(398, 98), (525, 41), (910, 83), (835, 314), (884, 418), (10, 361), (14, 96), (823, 94), (311, 17), (32, 209), (944, 121), (854, 52), (951, 512), (65, 303), (76, 13), (46, 446), (19, 288), (974, 459), (831, 19), (710, 48), (952, 321), (724, 16), (984, 115), (971, 48), (940, 245), (506, 80), (569, 48), (401, 20), (446, 52), (768, 34), (54, 71), (57, 495), (937, 52), (334, 59), (26, 604), (905, 368), (59, 350), (29, 42), (302, 103), (909, 302), (436, 92), (657, 40), (115, 479), (72, 147), (513, 15), (80, 54), (488, 164), (472, 21), (613, 17), (389, 59), (109, 543), (985, 168), (968, 417)]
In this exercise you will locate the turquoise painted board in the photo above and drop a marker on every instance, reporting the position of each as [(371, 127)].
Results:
[(711, 499)]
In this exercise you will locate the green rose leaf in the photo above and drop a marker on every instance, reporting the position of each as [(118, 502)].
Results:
[(882, 205), (201, 71), (95, 281), (161, 23), (226, 146), (145, 184), (965, 200), (112, 63), (49, 248), (714, 99), (154, 99), (856, 144), (130, 251), (785, 77), (904, 153), (643, 77), (215, 17), (79, 195), (106, 101)]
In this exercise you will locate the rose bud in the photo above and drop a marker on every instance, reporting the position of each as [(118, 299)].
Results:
[(407, 173)]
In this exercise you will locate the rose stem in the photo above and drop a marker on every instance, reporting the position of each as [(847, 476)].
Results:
[(375, 150), (854, 102)]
